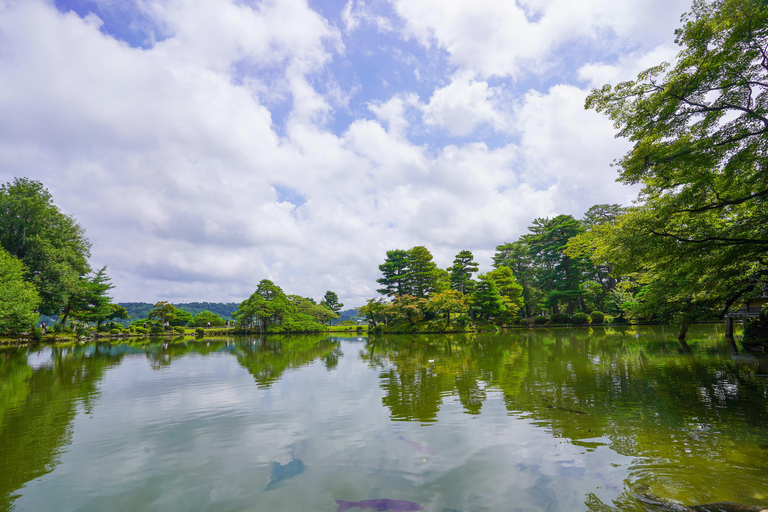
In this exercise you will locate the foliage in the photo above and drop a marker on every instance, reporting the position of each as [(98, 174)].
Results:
[(449, 302), (331, 301), (374, 311), (579, 318), (757, 329), (179, 329), (185, 317), (486, 300), (18, 299), (408, 307), (461, 272), (697, 242), (395, 270), (270, 310), (559, 318), (423, 273), (517, 257), (510, 290), (204, 317), (597, 317), (164, 312), (320, 312), (51, 245), (199, 332), (540, 320)]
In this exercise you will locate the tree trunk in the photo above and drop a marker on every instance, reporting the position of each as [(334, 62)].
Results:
[(571, 309), (555, 308), (681, 337)]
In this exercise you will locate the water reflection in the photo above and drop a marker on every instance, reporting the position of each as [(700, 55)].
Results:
[(561, 419)]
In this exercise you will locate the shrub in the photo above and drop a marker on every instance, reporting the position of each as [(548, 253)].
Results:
[(598, 317), (348, 322), (559, 318), (115, 331), (540, 320), (517, 319), (103, 328), (179, 329), (580, 318), (157, 329), (199, 332), (142, 330), (37, 333), (57, 328)]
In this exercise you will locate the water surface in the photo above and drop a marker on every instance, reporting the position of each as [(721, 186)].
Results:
[(554, 420)]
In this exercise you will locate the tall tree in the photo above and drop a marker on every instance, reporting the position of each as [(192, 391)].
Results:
[(699, 131), (51, 245), (18, 298), (486, 300), (164, 312), (91, 302), (267, 305), (517, 256), (423, 275), (510, 290), (461, 272), (395, 274), (331, 301), (558, 274)]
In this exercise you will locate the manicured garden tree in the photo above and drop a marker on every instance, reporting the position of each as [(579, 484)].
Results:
[(375, 311), (206, 318), (486, 299), (163, 312), (449, 302), (510, 290), (517, 256), (331, 301), (395, 270), (18, 298), (267, 305), (461, 272), (423, 274)]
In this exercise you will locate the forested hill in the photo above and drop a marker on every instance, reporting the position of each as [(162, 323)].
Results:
[(223, 309)]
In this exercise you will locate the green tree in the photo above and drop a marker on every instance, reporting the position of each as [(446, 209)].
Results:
[(510, 290), (461, 272), (375, 310), (163, 311), (558, 274), (267, 305), (51, 245), (395, 274), (699, 131), (331, 301), (185, 318), (307, 306), (449, 302), (517, 256), (423, 276), (486, 300), (203, 318), (91, 303), (408, 307), (18, 298)]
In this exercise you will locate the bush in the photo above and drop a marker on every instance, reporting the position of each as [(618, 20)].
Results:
[(580, 318), (179, 329), (598, 317), (142, 330), (103, 328), (157, 329), (199, 332), (348, 322), (517, 319), (559, 318), (540, 320), (37, 333), (115, 331)]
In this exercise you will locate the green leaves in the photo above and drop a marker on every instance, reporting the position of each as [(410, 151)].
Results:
[(18, 299)]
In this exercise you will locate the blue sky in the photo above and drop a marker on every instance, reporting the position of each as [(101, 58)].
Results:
[(205, 145)]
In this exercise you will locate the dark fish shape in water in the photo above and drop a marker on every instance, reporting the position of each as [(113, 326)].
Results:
[(418, 446), (383, 504), (281, 472)]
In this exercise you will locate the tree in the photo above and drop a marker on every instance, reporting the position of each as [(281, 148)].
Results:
[(307, 306), (206, 318), (510, 290), (185, 318), (395, 274), (164, 311), (449, 302), (409, 307), (517, 256), (18, 298), (558, 274), (90, 302), (375, 310), (331, 301), (51, 245), (486, 300), (423, 273), (461, 272), (699, 131), (267, 305)]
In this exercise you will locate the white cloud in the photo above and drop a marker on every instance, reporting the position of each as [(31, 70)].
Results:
[(506, 38), (464, 104), (597, 74)]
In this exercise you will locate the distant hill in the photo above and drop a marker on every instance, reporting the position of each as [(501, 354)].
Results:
[(347, 314), (141, 309)]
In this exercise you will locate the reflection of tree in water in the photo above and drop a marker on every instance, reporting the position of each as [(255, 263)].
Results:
[(634, 386), (269, 357), (37, 406), (161, 354)]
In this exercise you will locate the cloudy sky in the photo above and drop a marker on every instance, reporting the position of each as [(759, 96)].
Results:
[(205, 145)]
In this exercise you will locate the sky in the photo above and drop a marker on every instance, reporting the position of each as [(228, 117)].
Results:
[(205, 145)]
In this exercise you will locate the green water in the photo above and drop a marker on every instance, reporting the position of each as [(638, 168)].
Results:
[(539, 420)]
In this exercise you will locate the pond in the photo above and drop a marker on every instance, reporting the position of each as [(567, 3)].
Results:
[(595, 419)]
